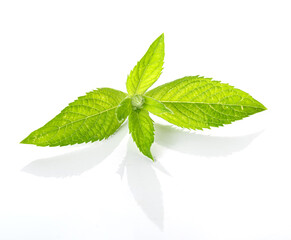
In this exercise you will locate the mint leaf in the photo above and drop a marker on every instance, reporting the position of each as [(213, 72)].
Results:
[(123, 109), (154, 106), (199, 102), (190, 102), (148, 69), (142, 131), (89, 118)]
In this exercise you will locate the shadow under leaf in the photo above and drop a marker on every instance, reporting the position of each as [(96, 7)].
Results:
[(201, 145), (139, 170), (76, 162), (143, 184)]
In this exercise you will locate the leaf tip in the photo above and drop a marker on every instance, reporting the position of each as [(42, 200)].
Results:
[(149, 155), (120, 120), (262, 107), (160, 39), (119, 117), (25, 141)]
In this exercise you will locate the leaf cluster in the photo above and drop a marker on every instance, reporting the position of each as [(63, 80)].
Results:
[(192, 102)]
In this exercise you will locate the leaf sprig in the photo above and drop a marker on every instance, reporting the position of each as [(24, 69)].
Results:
[(192, 102)]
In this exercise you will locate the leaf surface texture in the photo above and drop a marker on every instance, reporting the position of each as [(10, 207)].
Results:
[(142, 131), (154, 106), (123, 109), (90, 118), (199, 102), (148, 69)]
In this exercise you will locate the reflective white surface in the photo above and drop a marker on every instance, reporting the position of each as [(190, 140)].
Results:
[(225, 183)]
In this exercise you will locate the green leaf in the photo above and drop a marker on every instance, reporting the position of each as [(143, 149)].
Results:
[(89, 118), (148, 69), (123, 109), (199, 102), (154, 106), (142, 130), (190, 102)]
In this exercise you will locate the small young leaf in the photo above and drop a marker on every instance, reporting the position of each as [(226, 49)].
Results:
[(154, 106), (142, 130), (89, 118), (123, 109), (148, 69), (137, 102), (199, 102)]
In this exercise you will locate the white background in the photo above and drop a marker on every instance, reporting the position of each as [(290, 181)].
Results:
[(225, 183)]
